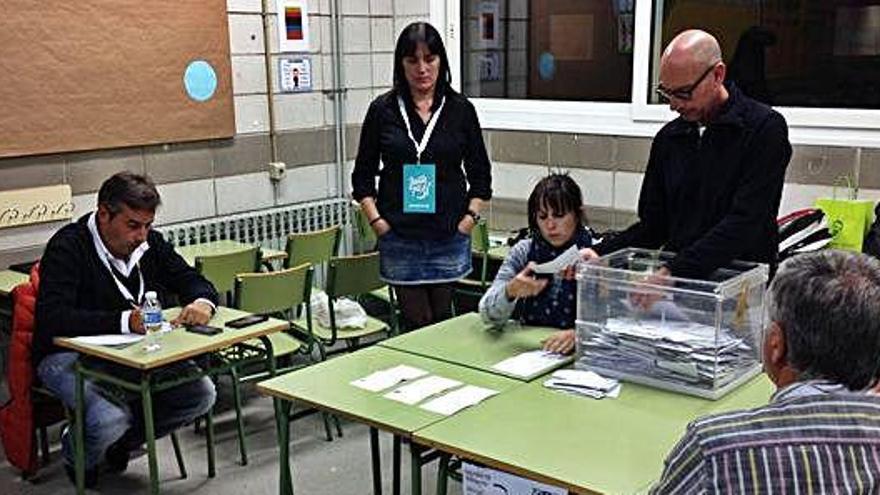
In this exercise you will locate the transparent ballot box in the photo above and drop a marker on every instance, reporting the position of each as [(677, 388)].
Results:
[(692, 336)]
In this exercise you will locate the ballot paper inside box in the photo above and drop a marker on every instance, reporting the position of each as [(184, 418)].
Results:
[(698, 337)]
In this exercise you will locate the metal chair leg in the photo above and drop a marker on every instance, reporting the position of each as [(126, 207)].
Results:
[(442, 474), (338, 426), (44, 444), (209, 442), (239, 416), (178, 453), (327, 433)]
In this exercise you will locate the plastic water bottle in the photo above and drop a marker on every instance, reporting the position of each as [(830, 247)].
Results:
[(152, 312)]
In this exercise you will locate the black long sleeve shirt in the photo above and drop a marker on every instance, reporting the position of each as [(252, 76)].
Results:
[(713, 198), (78, 296), (456, 148)]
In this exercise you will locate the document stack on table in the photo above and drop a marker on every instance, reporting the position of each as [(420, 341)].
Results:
[(583, 382), (678, 351)]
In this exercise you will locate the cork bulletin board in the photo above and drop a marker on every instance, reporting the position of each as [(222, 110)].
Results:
[(95, 74)]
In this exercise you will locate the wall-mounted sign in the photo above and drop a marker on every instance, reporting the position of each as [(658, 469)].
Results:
[(295, 74), (488, 14), (293, 25), (35, 205), (490, 66)]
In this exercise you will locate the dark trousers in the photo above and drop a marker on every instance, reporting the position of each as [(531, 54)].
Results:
[(425, 304)]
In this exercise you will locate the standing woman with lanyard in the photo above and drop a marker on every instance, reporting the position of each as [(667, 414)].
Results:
[(434, 177)]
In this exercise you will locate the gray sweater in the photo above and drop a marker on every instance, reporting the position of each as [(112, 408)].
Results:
[(495, 307)]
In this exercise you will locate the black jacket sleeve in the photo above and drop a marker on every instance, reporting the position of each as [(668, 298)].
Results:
[(651, 231), (476, 160), (756, 199), (366, 164), (62, 270)]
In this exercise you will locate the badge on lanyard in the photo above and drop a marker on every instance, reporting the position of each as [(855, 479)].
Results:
[(420, 179), (419, 187)]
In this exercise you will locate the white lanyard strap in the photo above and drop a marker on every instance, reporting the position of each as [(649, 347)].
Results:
[(420, 146), (122, 288)]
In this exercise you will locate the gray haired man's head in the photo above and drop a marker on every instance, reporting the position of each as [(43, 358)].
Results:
[(824, 312)]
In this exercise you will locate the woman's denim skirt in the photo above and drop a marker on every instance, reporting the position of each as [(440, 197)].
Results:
[(420, 261)]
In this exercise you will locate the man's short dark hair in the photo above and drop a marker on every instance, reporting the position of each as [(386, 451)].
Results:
[(136, 191), (828, 306)]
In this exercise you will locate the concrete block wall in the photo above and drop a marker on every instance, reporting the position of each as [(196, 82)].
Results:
[(609, 170), (219, 177)]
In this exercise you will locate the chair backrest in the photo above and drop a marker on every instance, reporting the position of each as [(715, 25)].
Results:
[(480, 237), (273, 292), (365, 233), (353, 275), (221, 269), (312, 247), (480, 244)]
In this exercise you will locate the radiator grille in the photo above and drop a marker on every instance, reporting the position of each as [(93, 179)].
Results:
[(267, 228)]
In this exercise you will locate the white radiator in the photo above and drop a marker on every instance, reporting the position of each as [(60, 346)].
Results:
[(267, 228)]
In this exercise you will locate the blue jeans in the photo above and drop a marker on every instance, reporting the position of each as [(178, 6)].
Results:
[(108, 418)]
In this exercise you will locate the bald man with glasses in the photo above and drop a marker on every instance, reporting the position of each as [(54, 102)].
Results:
[(714, 178)]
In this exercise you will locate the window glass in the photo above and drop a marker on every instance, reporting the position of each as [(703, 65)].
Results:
[(548, 49), (796, 53)]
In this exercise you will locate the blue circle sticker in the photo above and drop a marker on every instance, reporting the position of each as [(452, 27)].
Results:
[(200, 80), (546, 66)]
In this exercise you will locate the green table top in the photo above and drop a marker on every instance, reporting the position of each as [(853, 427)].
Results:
[(466, 341), (499, 252), (178, 344), (190, 252), (327, 385), (9, 279), (585, 445)]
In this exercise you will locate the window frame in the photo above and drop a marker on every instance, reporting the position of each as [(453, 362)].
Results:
[(814, 126)]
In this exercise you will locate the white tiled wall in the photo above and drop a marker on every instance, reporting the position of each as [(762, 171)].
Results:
[(244, 193), (184, 201), (597, 186), (515, 181)]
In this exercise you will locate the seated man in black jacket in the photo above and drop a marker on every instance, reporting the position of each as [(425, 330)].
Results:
[(93, 276), (714, 178)]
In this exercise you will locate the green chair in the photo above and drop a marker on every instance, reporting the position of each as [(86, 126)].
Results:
[(476, 287), (315, 247), (367, 237), (351, 276), (279, 294), (221, 269)]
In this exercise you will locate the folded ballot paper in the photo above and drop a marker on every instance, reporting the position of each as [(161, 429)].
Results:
[(417, 391), (457, 400), (583, 382), (530, 363), (561, 262), (387, 378)]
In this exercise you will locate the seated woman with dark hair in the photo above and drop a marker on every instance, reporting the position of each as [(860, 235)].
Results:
[(555, 213)]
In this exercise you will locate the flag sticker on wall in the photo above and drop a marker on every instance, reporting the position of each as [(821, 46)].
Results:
[(293, 26), (294, 21)]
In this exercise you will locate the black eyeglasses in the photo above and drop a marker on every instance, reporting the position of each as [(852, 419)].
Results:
[(684, 92)]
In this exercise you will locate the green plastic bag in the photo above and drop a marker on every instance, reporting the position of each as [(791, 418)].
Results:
[(848, 219)]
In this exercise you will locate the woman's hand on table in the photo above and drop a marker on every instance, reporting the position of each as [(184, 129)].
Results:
[(561, 342)]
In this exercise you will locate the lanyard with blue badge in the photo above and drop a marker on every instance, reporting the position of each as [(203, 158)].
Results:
[(420, 179)]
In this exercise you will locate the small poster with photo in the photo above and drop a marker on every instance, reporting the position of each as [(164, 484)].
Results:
[(295, 74), (293, 25), (488, 21)]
